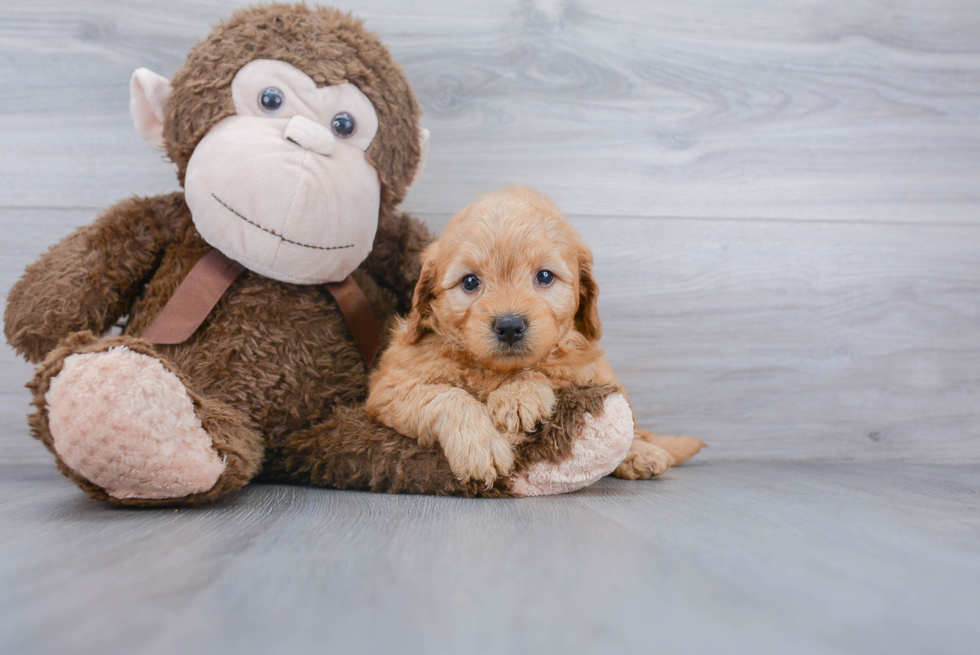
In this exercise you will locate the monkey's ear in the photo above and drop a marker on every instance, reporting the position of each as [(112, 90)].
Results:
[(148, 93), (424, 150)]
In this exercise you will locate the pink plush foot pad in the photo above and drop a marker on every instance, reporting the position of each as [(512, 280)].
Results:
[(597, 452), (124, 422)]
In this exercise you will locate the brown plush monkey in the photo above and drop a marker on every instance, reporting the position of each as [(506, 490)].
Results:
[(295, 136)]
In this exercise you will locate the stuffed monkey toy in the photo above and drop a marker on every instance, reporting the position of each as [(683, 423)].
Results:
[(256, 300)]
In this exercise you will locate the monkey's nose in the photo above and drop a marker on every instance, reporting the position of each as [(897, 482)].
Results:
[(510, 328), (310, 135)]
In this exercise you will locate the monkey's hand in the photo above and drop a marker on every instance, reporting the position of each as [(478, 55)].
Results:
[(90, 279)]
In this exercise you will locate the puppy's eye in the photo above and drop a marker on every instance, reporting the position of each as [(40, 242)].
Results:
[(544, 278), (470, 283)]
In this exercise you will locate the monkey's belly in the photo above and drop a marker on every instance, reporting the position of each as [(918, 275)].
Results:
[(281, 353)]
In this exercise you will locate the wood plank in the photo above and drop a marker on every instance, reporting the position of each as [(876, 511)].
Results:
[(789, 340), (735, 557), (813, 110), (768, 339)]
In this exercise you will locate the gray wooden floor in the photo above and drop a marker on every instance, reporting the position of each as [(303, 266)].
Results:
[(721, 557), (783, 197)]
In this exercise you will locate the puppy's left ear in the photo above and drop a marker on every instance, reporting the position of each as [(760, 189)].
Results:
[(424, 293), (587, 317)]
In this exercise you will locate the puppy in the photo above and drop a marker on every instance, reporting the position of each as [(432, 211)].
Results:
[(504, 313)]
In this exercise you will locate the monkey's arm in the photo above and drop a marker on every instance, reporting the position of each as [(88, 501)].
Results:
[(90, 279), (395, 259)]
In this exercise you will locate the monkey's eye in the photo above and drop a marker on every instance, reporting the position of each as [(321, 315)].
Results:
[(470, 283), (544, 278), (343, 125), (271, 99)]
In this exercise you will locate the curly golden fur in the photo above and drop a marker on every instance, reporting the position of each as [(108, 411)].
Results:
[(505, 313)]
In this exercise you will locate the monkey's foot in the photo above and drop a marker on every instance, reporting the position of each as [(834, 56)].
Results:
[(124, 422), (602, 445)]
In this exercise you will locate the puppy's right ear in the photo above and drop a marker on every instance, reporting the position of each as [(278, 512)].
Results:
[(587, 317), (422, 300)]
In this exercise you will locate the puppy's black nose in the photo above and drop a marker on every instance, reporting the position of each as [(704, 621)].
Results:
[(510, 328)]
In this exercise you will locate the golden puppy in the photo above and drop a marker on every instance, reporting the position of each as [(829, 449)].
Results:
[(504, 313)]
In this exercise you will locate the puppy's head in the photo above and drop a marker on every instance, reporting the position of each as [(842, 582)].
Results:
[(509, 278)]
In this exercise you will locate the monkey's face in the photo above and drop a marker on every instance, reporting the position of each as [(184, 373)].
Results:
[(284, 187)]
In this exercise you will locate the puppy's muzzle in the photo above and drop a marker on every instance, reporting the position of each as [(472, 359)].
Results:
[(510, 328)]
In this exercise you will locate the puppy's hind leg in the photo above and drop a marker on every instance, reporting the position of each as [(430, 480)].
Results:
[(652, 454), (680, 448), (643, 461)]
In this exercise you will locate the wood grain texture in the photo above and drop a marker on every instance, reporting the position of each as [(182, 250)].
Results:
[(815, 109), (775, 340), (714, 558)]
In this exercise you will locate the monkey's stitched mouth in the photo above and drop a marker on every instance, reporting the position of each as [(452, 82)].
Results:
[(276, 234)]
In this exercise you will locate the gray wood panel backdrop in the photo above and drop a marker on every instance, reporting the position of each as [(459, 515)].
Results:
[(783, 197)]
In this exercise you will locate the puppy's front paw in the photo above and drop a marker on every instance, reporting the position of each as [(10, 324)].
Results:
[(643, 461), (475, 450), (519, 407)]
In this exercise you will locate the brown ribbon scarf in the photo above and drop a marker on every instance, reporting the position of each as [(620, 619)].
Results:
[(210, 278)]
